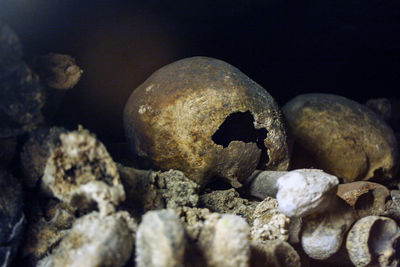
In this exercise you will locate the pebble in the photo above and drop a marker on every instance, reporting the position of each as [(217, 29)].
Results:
[(305, 191), (160, 240)]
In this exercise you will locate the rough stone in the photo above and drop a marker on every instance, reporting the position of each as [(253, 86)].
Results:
[(148, 190), (224, 241), (81, 172), (160, 240), (269, 223), (36, 151), (58, 71), (373, 241), (206, 118), (305, 191), (95, 241), (343, 137), (229, 201)]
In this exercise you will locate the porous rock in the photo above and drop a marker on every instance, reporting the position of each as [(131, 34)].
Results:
[(206, 118), (269, 223), (160, 240), (322, 234), (95, 241), (373, 241), (36, 151), (147, 190), (305, 191), (343, 137), (81, 172), (224, 241), (12, 219), (228, 201), (274, 253)]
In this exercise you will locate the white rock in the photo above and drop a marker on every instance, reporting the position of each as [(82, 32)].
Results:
[(305, 191), (95, 241), (269, 222), (80, 171), (224, 241), (160, 240)]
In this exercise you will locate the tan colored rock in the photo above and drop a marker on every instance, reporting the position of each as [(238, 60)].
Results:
[(95, 241), (204, 117), (80, 172), (224, 241), (269, 222), (344, 137), (365, 197)]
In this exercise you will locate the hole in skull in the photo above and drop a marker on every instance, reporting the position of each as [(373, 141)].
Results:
[(239, 126)]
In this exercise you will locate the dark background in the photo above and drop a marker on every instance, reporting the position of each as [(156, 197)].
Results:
[(350, 48)]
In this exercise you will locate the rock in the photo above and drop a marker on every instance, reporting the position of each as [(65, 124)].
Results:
[(366, 198), (208, 120), (95, 241), (263, 184), (160, 240), (12, 219), (224, 241), (323, 234), (80, 172), (269, 222), (343, 137), (228, 201), (147, 190), (21, 95), (36, 151), (305, 191), (373, 240), (58, 71), (274, 253)]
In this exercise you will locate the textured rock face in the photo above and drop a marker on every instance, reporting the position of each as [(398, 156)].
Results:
[(95, 241), (269, 222), (160, 240), (224, 241), (345, 138), (204, 117), (81, 172), (306, 191)]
